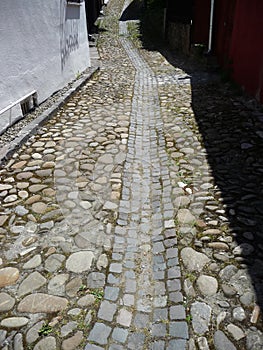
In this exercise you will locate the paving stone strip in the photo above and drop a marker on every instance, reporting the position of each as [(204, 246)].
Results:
[(143, 296)]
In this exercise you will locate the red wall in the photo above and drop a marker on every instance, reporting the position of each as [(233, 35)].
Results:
[(247, 46), (223, 27), (201, 18)]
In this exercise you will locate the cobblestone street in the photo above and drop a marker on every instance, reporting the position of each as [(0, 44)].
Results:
[(132, 219)]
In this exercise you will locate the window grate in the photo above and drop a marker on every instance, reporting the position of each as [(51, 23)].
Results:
[(28, 104)]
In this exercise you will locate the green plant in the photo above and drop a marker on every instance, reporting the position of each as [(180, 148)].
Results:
[(190, 276), (82, 288), (188, 318), (45, 330), (98, 293)]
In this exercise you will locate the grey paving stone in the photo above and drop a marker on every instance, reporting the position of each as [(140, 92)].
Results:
[(120, 335), (128, 299), (93, 347), (175, 297), (117, 256), (136, 341), (177, 344), (158, 248), (99, 334), (177, 312), (130, 286), (173, 285), (172, 253), (124, 317), (96, 280), (159, 288), (179, 330), (111, 293), (174, 272), (159, 330), (173, 262), (158, 345), (130, 274), (116, 347), (113, 280), (158, 275), (107, 310), (159, 267), (141, 320), (160, 315)]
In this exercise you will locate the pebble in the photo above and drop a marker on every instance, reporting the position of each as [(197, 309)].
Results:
[(56, 285), (31, 283), (201, 314), (3, 219), (46, 343), (239, 314), (185, 217), (86, 301), (21, 211), (32, 335), (54, 262), (39, 207), (202, 344), (6, 302), (80, 261), (8, 276), (193, 260), (68, 328), (218, 245), (33, 262), (207, 285), (14, 322), (73, 342), (11, 198), (102, 262), (40, 302), (221, 342), (235, 331), (254, 340)]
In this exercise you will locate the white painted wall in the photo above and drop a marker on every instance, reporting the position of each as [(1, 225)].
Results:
[(43, 45)]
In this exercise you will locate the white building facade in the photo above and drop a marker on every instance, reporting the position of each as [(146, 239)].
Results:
[(43, 46)]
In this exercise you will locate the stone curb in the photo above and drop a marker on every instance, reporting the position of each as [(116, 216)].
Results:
[(32, 127)]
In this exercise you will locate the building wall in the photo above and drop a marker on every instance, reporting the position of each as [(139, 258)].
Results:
[(178, 24), (247, 47), (223, 30), (200, 26), (43, 45), (237, 39), (178, 35)]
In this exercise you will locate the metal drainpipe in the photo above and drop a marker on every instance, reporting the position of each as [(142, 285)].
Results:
[(211, 25)]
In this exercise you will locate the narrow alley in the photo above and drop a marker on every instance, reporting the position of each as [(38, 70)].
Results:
[(132, 219)]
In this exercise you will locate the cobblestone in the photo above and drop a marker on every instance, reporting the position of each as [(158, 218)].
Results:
[(132, 219)]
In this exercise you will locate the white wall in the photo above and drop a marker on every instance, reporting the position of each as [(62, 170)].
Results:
[(43, 45)]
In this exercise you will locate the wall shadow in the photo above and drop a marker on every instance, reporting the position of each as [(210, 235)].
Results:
[(231, 126)]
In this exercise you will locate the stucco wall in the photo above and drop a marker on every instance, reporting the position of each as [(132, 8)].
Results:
[(43, 45)]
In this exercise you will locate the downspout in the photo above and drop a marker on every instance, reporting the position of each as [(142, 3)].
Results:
[(211, 26)]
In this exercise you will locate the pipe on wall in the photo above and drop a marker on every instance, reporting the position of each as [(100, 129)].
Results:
[(211, 25)]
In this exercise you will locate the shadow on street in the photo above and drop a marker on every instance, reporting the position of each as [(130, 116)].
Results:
[(231, 126)]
